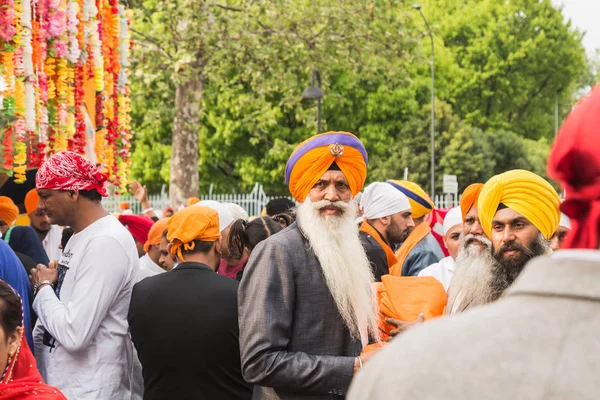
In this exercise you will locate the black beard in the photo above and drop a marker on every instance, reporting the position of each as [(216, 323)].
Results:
[(505, 271)]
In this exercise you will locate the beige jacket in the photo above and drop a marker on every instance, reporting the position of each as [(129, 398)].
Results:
[(541, 341)]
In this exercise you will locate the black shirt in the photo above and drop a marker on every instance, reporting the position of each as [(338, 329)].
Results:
[(184, 325), (376, 255)]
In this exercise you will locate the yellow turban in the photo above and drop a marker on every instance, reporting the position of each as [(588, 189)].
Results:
[(420, 203), (190, 224), (192, 200), (155, 233), (313, 157), (524, 192), (8, 210)]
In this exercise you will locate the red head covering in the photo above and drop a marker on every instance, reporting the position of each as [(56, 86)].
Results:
[(575, 162), (138, 226), (67, 170)]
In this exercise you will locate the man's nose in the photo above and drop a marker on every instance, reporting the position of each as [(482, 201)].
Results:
[(331, 193)]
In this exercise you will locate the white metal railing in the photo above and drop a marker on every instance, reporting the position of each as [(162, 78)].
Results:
[(253, 202)]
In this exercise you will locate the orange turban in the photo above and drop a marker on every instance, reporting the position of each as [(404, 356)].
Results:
[(524, 192), (313, 157), (124, 206), (8, 210), (155, 233), (31, 201), (190, 224), (419, 200), (469, 198), (192, 200)]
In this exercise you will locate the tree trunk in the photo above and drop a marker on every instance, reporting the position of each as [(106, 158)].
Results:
[(185, 142)]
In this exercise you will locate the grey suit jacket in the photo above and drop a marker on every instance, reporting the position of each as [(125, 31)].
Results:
[(294, 344), (538, 342)]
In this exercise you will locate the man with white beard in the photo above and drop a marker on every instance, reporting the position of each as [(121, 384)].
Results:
[(306, 304)]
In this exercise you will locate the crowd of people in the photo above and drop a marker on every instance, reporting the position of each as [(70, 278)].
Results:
[(354, 292)]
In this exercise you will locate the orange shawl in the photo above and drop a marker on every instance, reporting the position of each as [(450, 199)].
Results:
[(405, 297), (368, 229), (411, 241)]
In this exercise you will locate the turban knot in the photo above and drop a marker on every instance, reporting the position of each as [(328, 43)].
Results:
[(191, 224), (8, 210), (575, 162), (67, 170), (313, 157), (524, 192), (420, 203), (469, 198)]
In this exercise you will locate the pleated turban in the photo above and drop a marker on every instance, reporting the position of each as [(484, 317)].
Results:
[(469, 198), (313, 157), (8, 210), (420, 203), (575, 163), (524, 192)]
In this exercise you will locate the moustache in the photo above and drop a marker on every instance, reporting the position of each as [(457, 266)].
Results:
[(514, 246), (471, 239), (331, 205)]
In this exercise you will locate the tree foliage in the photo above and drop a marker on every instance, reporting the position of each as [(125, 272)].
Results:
[(498, 65)]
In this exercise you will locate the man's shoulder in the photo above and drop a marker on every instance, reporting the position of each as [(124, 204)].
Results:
[(292, 235)]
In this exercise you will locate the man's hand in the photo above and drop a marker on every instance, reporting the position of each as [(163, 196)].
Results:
[(367, 354), (42, 273), (402, 326), (138, 191)]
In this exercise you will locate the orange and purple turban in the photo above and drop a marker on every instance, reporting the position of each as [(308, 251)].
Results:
[(469, 198), (313, 157)]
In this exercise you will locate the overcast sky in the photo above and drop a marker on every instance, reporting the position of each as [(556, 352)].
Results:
[(585, 15)]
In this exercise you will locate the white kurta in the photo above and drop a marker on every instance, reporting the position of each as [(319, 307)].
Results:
[(51, 242), (92, 353), (148, 267), (441, 271)]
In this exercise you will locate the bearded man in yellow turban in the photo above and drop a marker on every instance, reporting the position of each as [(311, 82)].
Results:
[(306, 302), (420, 249)]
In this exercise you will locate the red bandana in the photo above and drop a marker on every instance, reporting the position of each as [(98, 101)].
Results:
[(70, 171)]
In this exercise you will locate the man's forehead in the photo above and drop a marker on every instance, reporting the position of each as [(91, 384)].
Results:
[(473, 212), (508, 214), (455, 229), (334, 176)]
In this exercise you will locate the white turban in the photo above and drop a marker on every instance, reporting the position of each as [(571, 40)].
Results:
[(237, 211), (225, 217), (381, 199), (565, 221), (452, 218)]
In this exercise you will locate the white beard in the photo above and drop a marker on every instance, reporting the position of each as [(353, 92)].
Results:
[(472, 281), (336, 243)]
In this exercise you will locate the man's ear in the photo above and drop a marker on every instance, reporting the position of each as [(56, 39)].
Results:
[(218, 244), (385, 220), (74, 194)]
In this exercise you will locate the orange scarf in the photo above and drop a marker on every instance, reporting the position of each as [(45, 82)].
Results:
[(411, 241), (368, 229)]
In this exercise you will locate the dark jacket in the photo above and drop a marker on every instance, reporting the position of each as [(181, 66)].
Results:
[(184, 326), (376, 255), (294, 344)]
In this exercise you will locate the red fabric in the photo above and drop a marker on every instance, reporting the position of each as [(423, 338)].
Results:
[(575, 163), (23, 381), (230, 271), (138, 226), (434, 218), (67, 170)]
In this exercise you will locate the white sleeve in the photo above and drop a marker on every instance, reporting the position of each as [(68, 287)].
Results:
[(100, 277)]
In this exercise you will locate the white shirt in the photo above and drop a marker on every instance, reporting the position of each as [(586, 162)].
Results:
[(92, 357), (441, 271), (51, 242), (148, 267)]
